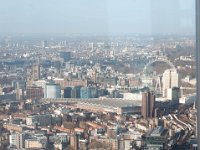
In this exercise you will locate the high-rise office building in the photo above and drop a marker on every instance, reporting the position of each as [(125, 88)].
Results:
[(170, 79), (19, 84), (66, 56), (88, 92), (148, 105), (34, 93), (45, 44), (173, 94), (72, 92), (36, 72), (75, 93), (85, 92), (94, 75), (68, 92), (52, 91)]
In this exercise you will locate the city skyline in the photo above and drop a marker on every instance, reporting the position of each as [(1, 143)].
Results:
[(99, 74)]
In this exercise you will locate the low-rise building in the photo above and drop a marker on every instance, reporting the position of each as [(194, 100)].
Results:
[(41, 120), (35, 144)]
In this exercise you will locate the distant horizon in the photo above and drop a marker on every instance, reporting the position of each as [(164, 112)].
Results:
[(97, 17), (93, 34)]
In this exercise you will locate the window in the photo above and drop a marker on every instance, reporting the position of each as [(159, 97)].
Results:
[(128, 67)]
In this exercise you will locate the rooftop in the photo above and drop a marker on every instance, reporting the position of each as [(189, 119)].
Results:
[(108, 102), (157, 131)]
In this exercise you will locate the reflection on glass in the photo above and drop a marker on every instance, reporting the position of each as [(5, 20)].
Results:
[(98, 74)]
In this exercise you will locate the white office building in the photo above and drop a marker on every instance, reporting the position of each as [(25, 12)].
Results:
[(170, 79), (52, 91)]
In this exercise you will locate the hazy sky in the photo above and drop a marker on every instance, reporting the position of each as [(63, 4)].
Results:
[(97, 16)]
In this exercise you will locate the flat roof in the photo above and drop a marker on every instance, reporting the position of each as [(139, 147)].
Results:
[(112, 102), (157, 131)]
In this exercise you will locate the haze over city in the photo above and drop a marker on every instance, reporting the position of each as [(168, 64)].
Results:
[(98, 75), (98, 17)]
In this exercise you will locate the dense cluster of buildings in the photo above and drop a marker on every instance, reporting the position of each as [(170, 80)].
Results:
[(61, 94)]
